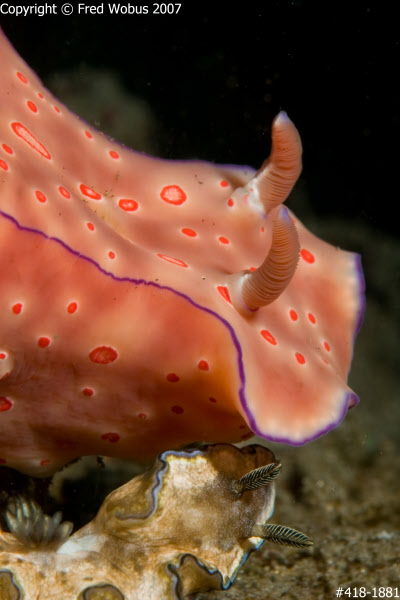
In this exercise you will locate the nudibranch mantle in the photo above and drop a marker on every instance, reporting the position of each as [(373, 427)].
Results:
[(147, 303), (184, 526)]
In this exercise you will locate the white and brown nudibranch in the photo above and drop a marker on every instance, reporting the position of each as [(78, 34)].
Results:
[(184, 526)]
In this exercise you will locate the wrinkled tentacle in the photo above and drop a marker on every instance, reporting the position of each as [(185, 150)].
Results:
[(281, 170), (267, 283)]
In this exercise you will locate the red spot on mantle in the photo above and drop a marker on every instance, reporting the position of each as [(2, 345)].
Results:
[(128, 205), (268, 336), (223, 290), (111, 437), (103, 355), (7, 149), (87, 191), (64, 192), (23, 133), (300, 358), (203, 365), (5, 404), (172, 377), (293, 315), (178, 410), (32, 106), (17, 308), (43, 342), (72, 306), (223, 239), (3, 165), (307, 256), (114, 154), (173, 194), (87, 391), (40, 196), (22, 77), (189, 232), (175, 261)]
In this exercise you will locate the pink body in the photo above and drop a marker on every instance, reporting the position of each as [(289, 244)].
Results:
[(117, 331)]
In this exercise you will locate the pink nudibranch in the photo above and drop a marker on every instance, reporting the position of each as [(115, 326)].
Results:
[(146, 304)]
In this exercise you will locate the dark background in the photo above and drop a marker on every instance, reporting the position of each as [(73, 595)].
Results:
[(216, 78)]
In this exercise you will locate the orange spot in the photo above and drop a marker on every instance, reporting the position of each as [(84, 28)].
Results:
[(22, 77), (17, 308), (3, 165), (128, 205), (293, 315), (203, 365), (88, 135), (7, 149), (87, 391), (262, 229), (252, 269), (307, 256), (40, 196), (5, 404), (72, 307), (327, 347), (223, 240), (178, 410), (300, 358), (175, 261), (30, 139), (40, 95), (43, 342), (213, 400), (32, 106), (223, 290), (223, 183), (268, 336), (173, 194), (103, 355), (230, 202), (111, 437), (311, 318), (90, 226), (44, 462), (64, 192), (172, 377), (113, 154), (87, 191), (56, 109), (189, 232), (111, 254)]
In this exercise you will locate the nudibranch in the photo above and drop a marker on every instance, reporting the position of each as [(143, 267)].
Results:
[(147, 304), (184, 526)]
